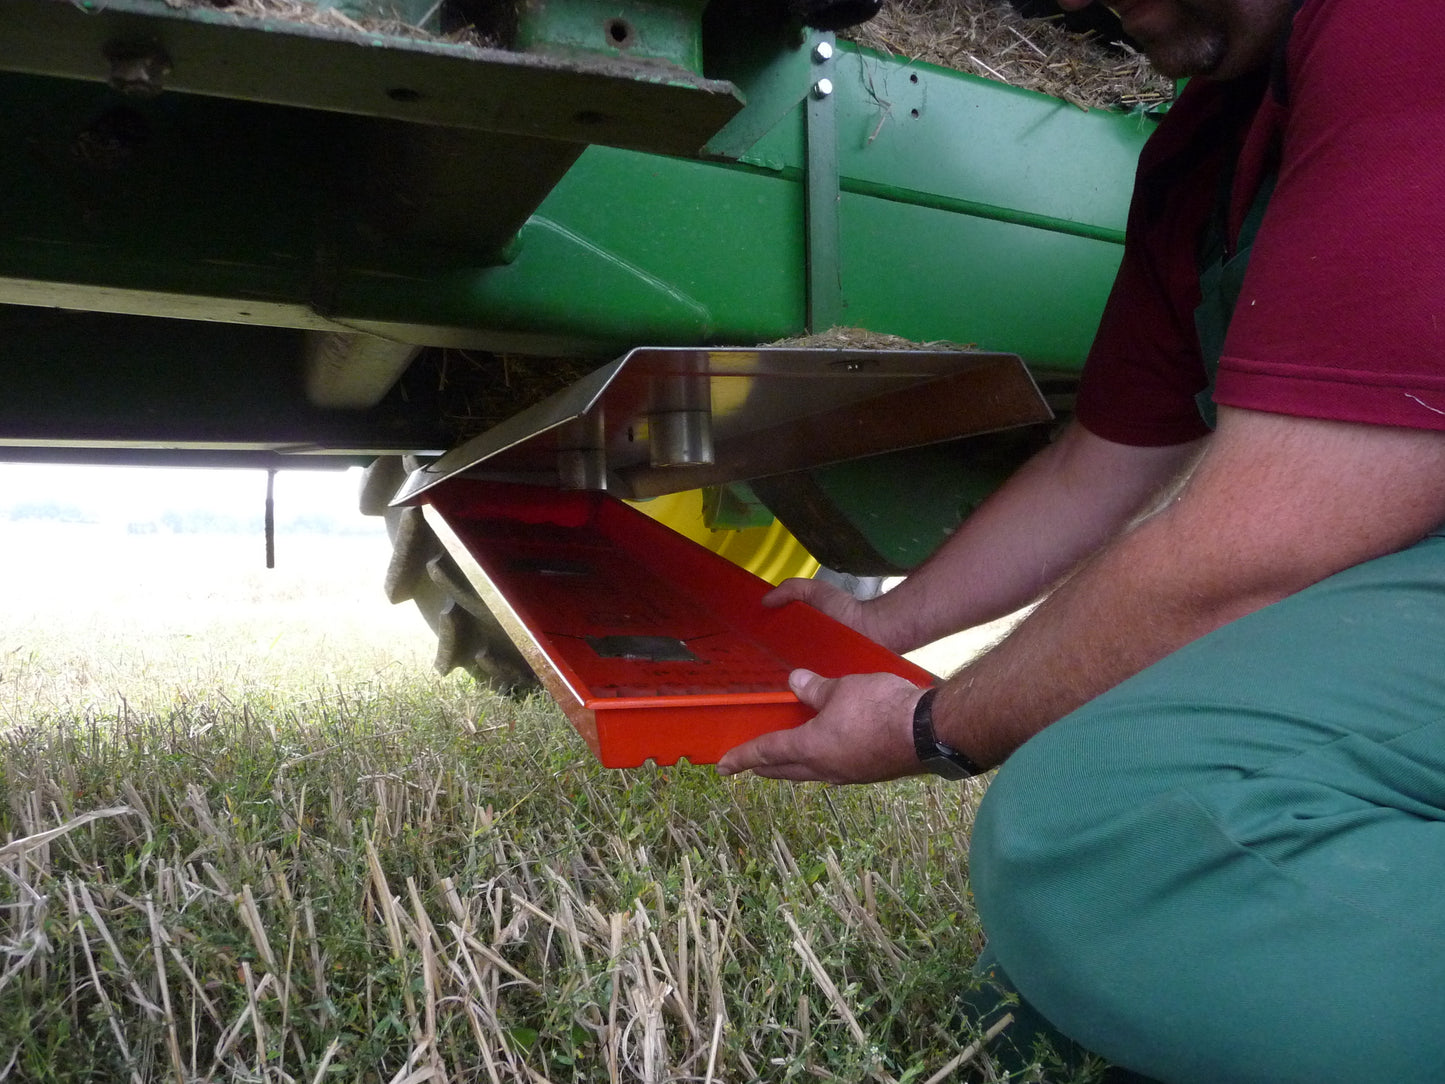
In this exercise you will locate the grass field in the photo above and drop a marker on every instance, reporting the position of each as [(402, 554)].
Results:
[(246, 834)]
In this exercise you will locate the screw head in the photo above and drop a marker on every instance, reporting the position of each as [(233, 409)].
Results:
[(822, 88), (822, 52)]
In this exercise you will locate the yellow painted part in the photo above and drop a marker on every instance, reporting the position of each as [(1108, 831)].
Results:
[(770, 553)]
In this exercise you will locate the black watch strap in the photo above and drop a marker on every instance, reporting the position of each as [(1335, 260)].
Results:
[(934, 755)]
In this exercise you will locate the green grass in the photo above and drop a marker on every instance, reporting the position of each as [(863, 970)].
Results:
[(222, 871)]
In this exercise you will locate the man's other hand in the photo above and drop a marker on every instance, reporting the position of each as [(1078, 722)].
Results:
[(863, 733), (836, 603)]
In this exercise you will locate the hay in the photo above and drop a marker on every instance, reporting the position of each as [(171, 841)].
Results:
[(307, 12), (990, 39), (480, 390), (983, 37), (857, 338)]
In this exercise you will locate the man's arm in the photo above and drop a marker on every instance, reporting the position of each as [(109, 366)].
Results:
[(1062, 505), (1275, 504)]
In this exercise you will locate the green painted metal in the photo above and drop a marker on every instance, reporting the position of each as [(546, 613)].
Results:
[(917, 133), (583, 99), (905, 504), (974, 209), (776, 66), (733, 507), (919, 128), (406, 230), (81, 380), (207, 208), (656, 30), (701, 238), (1031, 292), (277, 183)]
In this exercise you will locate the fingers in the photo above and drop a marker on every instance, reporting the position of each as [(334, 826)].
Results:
[(861, 733), (824, 597), (811, 689), (770, 753), (764, 755), (791, 590)]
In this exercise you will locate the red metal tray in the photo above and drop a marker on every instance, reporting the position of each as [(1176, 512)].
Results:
[(655, 647)]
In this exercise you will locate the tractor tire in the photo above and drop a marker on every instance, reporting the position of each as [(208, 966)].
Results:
[(468, 636), (421, 571)]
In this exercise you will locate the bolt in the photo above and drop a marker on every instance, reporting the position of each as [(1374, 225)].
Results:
[(822, 88), (138, 68), (822, 52)]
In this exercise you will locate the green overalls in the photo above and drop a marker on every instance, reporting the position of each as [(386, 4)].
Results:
[(1231, 867)]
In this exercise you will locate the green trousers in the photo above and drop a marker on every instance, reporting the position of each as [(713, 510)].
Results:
[(1231, 867)]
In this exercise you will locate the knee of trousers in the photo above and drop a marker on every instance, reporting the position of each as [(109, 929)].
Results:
[(1130, 912), (1045, 851), (1073, 850)]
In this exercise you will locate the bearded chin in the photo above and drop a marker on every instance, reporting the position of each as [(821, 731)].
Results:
[(1195, 55)]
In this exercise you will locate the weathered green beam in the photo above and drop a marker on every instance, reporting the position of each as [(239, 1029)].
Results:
[(640, 104)]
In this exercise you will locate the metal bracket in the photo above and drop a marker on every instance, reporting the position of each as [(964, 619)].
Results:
[(768, 411)]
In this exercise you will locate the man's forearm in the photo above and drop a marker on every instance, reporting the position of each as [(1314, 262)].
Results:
[(1122, 611), (1059, 507), (1276, 505)]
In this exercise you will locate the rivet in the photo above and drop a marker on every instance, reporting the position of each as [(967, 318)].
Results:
[(822, 88)]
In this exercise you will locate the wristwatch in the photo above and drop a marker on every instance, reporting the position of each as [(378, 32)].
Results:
[(938, 758)]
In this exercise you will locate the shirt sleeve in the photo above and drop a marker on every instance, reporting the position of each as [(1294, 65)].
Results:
[(1342, 312), (1142, 373), (1144, 367)]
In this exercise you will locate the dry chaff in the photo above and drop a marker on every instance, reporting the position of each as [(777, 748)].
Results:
[(990, 39)]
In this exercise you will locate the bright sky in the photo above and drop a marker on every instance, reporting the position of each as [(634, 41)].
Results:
[(145, 493)]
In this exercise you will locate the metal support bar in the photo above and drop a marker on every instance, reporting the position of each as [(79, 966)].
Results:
[(772, 409), (825, 266), (352, 372), (270, 519)]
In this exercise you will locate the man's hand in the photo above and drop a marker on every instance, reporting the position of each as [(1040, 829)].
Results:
[(837, 604), (863, 733), (1276, 504), (1061, 506)]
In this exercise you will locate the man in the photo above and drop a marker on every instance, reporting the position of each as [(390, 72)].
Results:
[(1216, 848)]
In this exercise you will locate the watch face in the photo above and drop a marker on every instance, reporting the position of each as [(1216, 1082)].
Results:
[(947, 767)]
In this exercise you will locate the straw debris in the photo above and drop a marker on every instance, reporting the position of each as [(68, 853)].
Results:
[(309, 13), (502, 911), (989, 38), (859, 338), (481, 390)]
